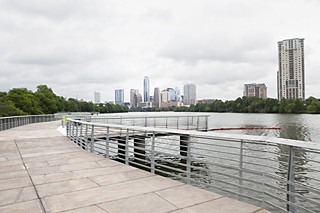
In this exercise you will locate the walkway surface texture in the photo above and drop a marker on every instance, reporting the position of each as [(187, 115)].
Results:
[(42, 171)]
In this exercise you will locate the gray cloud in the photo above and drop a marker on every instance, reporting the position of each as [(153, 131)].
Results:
[(78, 46), (217, 47)]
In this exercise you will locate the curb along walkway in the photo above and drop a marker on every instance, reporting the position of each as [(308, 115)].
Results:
[(42, 171)]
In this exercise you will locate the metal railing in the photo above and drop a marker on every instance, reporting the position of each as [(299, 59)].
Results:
[(276, 174), (16, 121), (188, 122)]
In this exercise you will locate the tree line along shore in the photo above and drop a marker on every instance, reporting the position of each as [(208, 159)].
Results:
[(21, 101)]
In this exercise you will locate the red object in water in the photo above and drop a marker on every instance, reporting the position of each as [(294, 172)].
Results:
[(246, 128)]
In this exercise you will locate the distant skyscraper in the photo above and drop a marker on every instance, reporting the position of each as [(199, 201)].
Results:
[(132, 91), (189, 94), (255, 90), (138, 98), (146, 89), (172, 94), (119, 96), (96, 97), (164, 96), (178, 94), (290, 76), (135, 97), (156, 97)]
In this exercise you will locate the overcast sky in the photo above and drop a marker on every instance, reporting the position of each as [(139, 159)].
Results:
[(77, 47)]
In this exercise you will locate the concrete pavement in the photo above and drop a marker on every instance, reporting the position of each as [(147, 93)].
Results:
[(42, 171)]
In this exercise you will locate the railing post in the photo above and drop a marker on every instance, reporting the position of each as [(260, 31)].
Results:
[(198, 123), (145, 122), (77, 132), (127, 148), (80, 136), (241, 170), (86, 138), (72, 131), (68, 128), (107, 142), (291, 179), (166, 122), (177, 122), (92, 139), (153, 154), (188, 123), (207, 127), (189, 160)]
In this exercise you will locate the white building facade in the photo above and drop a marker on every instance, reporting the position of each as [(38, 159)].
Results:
[(291, 73), (97, 97)]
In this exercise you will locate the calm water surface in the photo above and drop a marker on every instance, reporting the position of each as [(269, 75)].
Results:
[(293, 126), (303, 127)]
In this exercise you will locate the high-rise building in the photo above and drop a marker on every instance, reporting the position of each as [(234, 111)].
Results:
[(189, 94), (290, 76), (146, 89), (96, 97), (172, 95), (132, 91), (164, 96), (156, 97), (119, 96), (178, 94), (255, 90), (135, 97)]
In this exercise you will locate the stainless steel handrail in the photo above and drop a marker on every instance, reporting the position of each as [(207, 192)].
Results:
[(16, 121), (276, 174)]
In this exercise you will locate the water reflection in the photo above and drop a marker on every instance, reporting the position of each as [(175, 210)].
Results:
[(259, 132), (293, 127)]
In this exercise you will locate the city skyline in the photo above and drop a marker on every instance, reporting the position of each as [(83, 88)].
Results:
[(77, 48), (167, 97)]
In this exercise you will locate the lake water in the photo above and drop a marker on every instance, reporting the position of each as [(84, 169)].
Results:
[(303, 127)]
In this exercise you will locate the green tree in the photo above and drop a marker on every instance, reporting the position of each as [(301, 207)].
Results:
[(72, 105), (24, 100), (313, 106), (47, 100), (7, 107)]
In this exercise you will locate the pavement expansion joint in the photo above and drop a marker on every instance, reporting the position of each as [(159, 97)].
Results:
[(33, 185)]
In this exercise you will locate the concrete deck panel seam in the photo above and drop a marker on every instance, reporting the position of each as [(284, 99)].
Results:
[(92, 178), (179, 208), (41, 203)]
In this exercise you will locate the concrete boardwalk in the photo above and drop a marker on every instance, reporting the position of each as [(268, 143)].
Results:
[(42, 171)]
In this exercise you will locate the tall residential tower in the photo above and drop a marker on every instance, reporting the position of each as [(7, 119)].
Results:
[(290, 76), (255, 90)]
